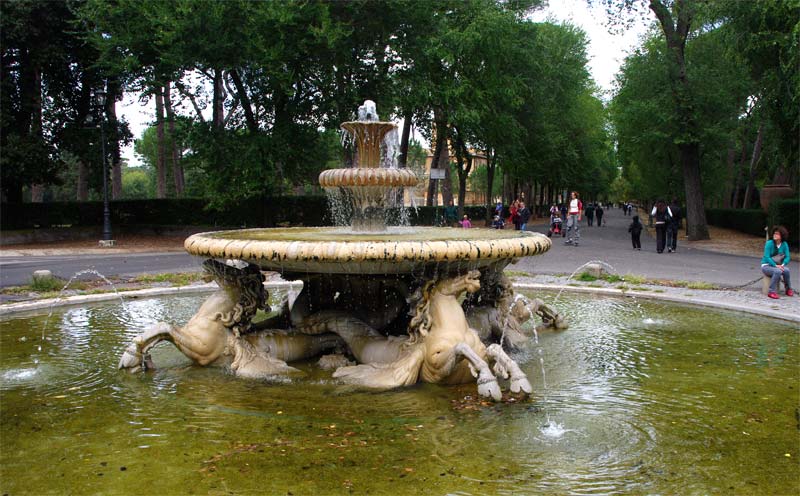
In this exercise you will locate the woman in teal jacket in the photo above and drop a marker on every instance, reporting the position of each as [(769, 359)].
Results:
[(775, 262)]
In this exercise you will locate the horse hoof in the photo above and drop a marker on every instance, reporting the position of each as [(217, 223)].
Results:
[(520, 384), (131, 359), (490, 389)]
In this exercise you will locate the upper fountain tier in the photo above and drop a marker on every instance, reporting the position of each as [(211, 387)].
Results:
[(368, 186)]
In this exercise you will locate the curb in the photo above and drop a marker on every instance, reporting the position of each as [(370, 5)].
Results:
[(685, 300)]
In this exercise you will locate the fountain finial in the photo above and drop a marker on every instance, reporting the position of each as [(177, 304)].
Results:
[(368, 112)]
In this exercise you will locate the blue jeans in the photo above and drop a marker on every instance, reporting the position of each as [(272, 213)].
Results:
[(523, 226), (573, 224), (775, 273)]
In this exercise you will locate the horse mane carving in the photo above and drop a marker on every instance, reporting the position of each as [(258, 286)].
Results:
[(420, 301), (248, 282)]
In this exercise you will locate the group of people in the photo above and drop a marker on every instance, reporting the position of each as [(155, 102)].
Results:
[(666, 219)]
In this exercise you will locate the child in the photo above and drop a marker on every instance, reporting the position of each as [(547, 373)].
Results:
[(636, 230), (465, 223), (498, 223)]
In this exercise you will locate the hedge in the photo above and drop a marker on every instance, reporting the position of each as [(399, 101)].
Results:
[(750, 221), (261, 212), (257, 212), (786, 212)]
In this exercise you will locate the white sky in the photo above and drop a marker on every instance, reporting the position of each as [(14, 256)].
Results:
[(606, 53)]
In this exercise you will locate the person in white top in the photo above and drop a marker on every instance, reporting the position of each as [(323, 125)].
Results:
[(574, 214)]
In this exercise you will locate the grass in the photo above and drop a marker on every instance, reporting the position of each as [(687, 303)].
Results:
[(42, 284), (585, 277), (634, 279), (612, 278), (515, 273)]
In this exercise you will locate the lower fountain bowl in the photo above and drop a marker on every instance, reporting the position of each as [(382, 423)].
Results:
[(398, 250)]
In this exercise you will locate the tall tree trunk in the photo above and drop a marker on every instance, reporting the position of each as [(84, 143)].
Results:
[(754, 160), (161, 166), (676, 33), (37, 190), (177, 167), (218, 99), (440, 123), (83, 182), (402, 161), (114, 95), (252, 124), (490, 168), (464, 163), (729, 165), (739, 169)]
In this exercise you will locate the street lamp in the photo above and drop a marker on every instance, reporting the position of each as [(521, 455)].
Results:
[(108, 239)]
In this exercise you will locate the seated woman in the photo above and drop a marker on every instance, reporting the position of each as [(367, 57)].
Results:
[(775, 262)]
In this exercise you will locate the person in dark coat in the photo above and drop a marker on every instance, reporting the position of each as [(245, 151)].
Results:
[(524, 215), (589, 212), (636, 231), (674, 226), (598, 211), (662, 216)]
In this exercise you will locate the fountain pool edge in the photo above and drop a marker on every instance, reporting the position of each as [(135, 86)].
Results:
[(691, 300), (13, 309)]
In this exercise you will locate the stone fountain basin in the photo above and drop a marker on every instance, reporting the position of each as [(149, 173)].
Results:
[(338, 250)]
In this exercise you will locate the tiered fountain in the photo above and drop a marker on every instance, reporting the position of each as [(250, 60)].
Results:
[(386, 297)]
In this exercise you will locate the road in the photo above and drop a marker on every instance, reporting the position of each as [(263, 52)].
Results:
[(15, 271)]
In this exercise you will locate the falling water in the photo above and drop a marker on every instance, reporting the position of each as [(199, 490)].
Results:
[(606, 265), (60, 296)]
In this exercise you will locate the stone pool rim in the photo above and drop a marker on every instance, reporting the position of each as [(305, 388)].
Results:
[(12, 309)]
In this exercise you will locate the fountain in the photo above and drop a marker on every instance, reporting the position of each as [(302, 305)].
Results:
[(388, 297)]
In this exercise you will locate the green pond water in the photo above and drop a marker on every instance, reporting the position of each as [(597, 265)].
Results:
[(347, 235), (641, 398)]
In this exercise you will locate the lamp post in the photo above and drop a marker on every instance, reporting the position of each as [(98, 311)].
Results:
[(108, 239)]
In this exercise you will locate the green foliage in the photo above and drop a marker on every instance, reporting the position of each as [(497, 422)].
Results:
[(747, 221), (138, 183), (41, 284)]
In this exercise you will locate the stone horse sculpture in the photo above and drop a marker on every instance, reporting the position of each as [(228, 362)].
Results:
[(442, 348), (217, 333)]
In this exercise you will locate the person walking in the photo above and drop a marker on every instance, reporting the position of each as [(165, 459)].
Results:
[(563, 210), (589, 213), (775, 262), (598, 212), (514, 210), (636, 232), (524, 215), (451, 214), (574, 214), (674, 227), (663, 217)]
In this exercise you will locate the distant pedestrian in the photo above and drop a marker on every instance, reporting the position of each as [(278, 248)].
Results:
[(663, 217), (451, 214), (589, 213), (598, 212), (636, 232), (573, 219), (563, 210), (674, 227), (524, 215), (498, 222), (465, 223), (514, 217), (775, 262)]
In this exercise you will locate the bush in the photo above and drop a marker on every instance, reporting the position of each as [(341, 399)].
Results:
[(750, 221)]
